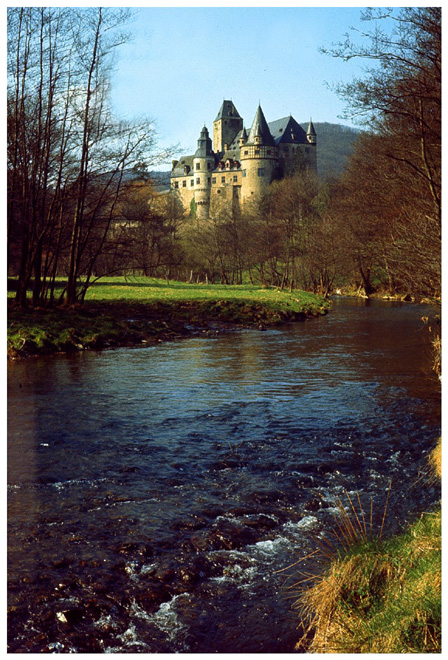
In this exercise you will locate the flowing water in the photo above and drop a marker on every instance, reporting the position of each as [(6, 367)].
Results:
[(156, 494)]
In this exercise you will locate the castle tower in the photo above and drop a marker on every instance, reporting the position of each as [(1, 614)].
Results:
[(226, 126), (311, 133), (203, 165), (243, 138), (259, 159), (312, 149)]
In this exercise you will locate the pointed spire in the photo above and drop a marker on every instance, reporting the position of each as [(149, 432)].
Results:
[(260, 130), (311, 133), (311, 130), (204, 144), (243, 137)]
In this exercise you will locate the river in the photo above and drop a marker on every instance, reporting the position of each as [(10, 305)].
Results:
[(156, 495)]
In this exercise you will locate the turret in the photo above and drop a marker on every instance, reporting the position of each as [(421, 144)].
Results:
[(242, 139), (311, 134), (203, 164), (259, 159), (259, 132)]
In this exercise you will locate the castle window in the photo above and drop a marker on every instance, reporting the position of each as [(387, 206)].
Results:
[(197, 166), (235, 178), (244, 172), (198, 180), (184, 184), (176, 184), (218, 191), (223, 179), (257, 152), (208, 166), (261, 171), (214, 179), (208, 180), (246, 152), (192, 182)]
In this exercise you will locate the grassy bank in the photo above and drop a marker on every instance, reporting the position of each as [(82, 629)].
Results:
[(119, 311), (379, 596)]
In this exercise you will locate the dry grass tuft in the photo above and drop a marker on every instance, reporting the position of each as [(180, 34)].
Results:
[(437, 355), (376, 596), (335, 607), (435, 460)]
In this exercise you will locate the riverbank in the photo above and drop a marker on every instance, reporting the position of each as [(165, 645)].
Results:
[(379, 596), (384, 294), (141, 311), (154, 495)]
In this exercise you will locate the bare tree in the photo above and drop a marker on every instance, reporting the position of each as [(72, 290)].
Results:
[(68, 157), (288, 214), (36, 52), (392, 190), (145, 233)]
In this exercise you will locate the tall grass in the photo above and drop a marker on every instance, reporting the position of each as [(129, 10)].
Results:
[(437, 355), (376, 595), (435, 461)]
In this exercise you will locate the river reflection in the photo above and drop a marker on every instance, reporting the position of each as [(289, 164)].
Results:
[(153, 493)]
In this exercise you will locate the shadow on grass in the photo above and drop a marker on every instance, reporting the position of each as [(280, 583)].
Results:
[(144, 283), (159, 284)]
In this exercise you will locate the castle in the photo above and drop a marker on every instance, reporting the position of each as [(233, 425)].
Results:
[(240, 166)]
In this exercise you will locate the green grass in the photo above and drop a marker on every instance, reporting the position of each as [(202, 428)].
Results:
[(376, 596), (150, 289), (381, 597), (128, 311)]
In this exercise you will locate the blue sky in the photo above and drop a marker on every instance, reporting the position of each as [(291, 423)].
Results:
[(182, 62)]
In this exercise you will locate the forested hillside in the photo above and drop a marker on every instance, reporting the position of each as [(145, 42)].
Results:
[(334, 145)]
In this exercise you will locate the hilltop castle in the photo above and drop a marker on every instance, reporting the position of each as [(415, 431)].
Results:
[(240, 166)]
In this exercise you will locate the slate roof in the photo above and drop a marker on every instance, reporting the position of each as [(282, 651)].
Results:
[(281, 131), (235, 144), (287, 130), (232, 153), (311, 130), (179, 169), (204, 144), (227, 110), (260, 129)]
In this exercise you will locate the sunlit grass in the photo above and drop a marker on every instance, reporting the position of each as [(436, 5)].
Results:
[(149, 289), (145, 289), (121, 310)]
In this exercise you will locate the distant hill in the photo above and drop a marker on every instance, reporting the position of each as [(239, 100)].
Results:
[(160, 179), (334, 145)]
